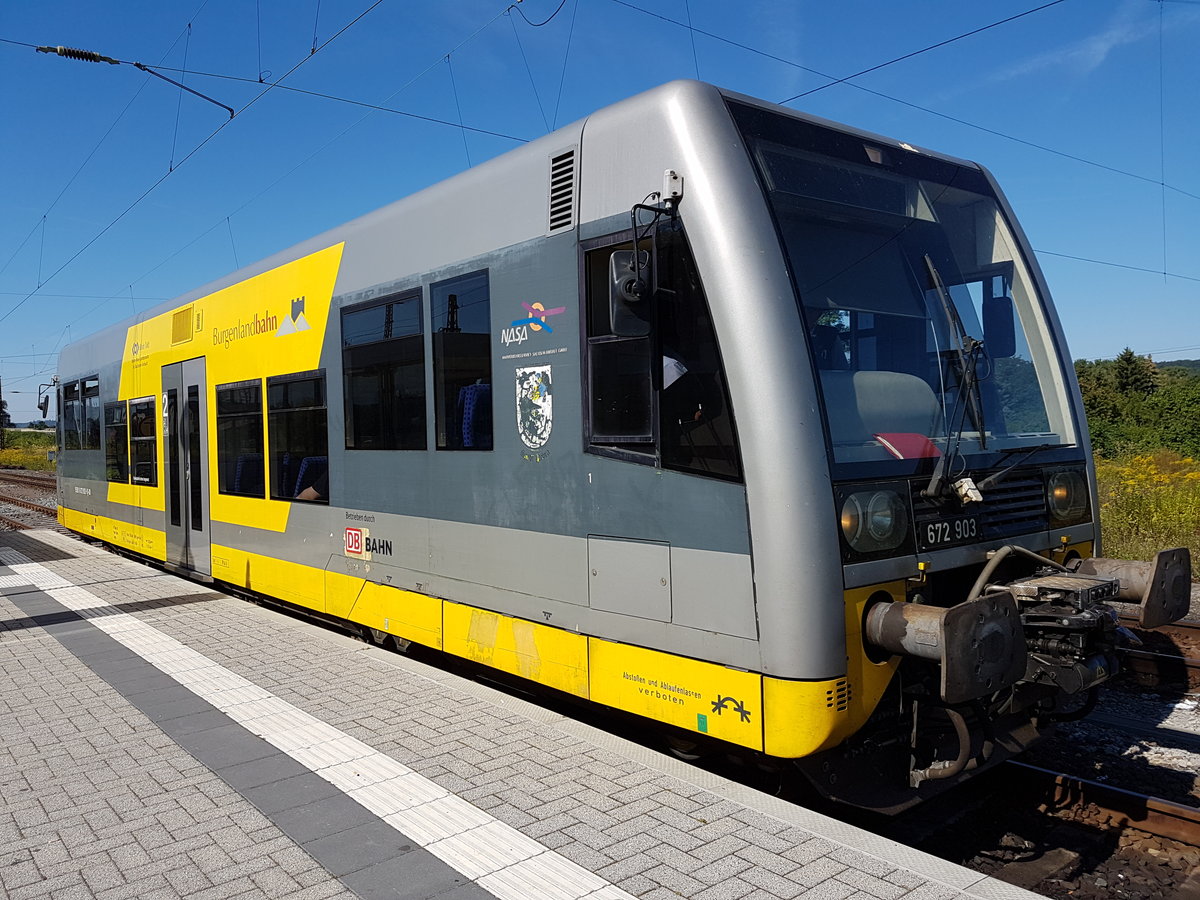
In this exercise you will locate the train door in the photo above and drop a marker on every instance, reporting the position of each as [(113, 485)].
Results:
[(185, 446)]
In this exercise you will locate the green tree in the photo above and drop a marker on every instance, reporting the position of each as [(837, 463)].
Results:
[(1133, 407), (1135, 375)]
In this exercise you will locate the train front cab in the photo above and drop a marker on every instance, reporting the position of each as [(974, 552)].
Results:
[(959, 460)]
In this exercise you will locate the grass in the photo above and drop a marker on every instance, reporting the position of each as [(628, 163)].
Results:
[(1150, 502), (27, 450)]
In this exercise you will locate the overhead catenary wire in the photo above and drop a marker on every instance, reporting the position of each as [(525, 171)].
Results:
[(529, 71), (361, 103), (687, 8), (458, 107), (834, 81), (94, 57), (1116, 265), (545, 21), (192, 153), (908, 103), (179, 103), (939, 44), (331, 140), (566, 57), (104, 137)]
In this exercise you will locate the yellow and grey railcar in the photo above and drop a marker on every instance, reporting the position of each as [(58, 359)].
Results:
[(755, 425)]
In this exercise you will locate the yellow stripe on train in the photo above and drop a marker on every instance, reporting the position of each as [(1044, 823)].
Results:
[(781, 717)]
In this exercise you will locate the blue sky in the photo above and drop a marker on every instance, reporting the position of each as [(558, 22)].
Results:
[(1112, 82)]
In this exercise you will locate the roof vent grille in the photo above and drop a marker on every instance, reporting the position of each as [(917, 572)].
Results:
[(562, 191), (181, 325)]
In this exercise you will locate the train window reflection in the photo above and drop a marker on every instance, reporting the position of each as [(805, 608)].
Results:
[(661, 398), (383, 358), (298, 437), (240, 468), (696, 431), (462, 362), (143, 442), (72, 414), (90, 432), (116, 443)]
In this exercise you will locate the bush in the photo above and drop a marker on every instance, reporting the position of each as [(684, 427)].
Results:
[(27, 450), (1150, 502)]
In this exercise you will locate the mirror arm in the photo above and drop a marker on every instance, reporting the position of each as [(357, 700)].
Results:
[(668, 208)]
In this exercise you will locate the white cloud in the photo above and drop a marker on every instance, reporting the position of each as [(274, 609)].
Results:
[(1133, 22)]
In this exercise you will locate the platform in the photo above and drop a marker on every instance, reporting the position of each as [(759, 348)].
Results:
[(161, 739)]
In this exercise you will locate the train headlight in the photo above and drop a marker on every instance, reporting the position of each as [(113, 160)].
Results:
[(1067, 497), (874, 520)]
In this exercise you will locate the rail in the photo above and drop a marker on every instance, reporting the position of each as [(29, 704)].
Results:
[(1125, 808), (48, 482), (30, 505)]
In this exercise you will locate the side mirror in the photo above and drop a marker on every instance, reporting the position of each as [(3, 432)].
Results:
[(629, 293), (999, 327), (44, 405)]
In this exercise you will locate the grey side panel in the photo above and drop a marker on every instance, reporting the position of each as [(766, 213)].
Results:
[(630, 577), (797, 570), (509, 571)]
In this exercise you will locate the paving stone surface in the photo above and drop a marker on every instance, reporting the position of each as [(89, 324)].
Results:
[(114, 784)]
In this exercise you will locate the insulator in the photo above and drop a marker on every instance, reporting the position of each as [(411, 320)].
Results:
[(81, 55)]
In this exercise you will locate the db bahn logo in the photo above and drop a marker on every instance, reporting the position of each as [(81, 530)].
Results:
[(360, 544)]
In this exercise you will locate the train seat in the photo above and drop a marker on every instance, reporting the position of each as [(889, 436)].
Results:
[(311, 468), (248, 474), (475, 414), (861, 405)]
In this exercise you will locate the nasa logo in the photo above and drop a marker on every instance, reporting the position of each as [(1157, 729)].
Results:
[(354, 541), (514, 335)]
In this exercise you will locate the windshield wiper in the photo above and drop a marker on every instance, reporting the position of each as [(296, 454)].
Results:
[(967, 350), (996, 477), (964, 487)]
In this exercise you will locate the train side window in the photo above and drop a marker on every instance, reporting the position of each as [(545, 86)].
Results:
[(621, 396), (143, 442), (298, 437), (695, 431), (116, 442), (90, 431), (462, 362), (72, 416), (383, 356), (240, 467), (662, 397)]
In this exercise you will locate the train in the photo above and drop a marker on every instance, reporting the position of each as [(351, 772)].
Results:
[(755, 426)]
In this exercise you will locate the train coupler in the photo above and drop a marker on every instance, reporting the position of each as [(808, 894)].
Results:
[(1161, 587)]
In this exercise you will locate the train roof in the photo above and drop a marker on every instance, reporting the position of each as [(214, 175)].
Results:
[(507, 181)]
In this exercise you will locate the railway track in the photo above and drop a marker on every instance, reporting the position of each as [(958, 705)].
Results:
[(1123, 808), (1169, 656), (1151, 669), (20, 513), (46, 482)]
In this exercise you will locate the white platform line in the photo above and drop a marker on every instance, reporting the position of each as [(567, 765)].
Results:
[(494, 855)]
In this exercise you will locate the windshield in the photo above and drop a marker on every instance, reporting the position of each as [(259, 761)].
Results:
[(924, 324)]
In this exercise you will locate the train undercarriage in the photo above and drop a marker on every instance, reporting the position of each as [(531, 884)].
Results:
[(982, 680)]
